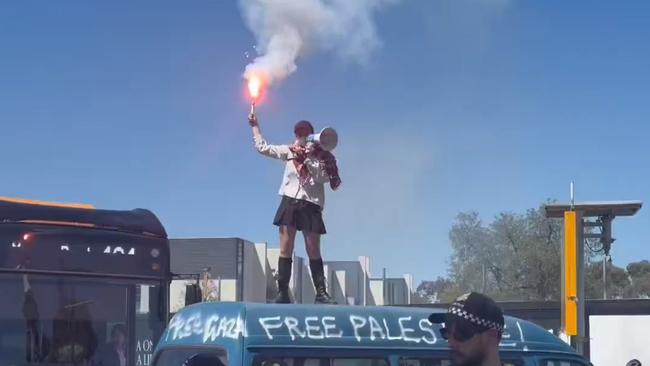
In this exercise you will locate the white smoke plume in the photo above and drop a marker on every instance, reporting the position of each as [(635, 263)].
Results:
[(289, 29)]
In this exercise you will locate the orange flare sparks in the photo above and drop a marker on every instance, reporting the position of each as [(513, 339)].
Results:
[(254, 86)]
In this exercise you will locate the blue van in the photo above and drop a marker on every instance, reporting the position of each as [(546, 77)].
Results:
[(244, 334)]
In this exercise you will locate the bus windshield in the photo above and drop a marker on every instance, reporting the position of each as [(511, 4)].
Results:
[(75, 321), (80, 296)]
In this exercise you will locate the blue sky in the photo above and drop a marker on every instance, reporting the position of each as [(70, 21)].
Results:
[(486, 105)]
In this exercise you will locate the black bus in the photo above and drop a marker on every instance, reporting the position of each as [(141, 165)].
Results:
[(80, 286)]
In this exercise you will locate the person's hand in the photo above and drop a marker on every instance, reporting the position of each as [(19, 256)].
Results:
[(299, 151), (252, 119), (310, 148)]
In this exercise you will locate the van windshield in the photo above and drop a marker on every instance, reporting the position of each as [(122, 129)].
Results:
[(318, 361), (192, 357), (442, 361)]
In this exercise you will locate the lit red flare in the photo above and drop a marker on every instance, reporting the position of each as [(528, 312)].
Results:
[(254, 87), (257, 82)]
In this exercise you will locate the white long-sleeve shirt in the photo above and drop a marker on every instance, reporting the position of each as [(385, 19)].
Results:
[(313, 190)]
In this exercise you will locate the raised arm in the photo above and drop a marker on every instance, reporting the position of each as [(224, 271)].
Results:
[(281, 152)]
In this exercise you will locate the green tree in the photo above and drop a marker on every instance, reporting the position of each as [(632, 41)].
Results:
[(518, 257), (472, 255), (638, 269), (439, 290), (639, 273), (617, 279)]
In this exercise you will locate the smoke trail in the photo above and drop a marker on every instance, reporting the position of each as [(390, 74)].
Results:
[(287, 30)]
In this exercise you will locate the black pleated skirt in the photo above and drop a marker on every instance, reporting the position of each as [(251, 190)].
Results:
[(303, 215)]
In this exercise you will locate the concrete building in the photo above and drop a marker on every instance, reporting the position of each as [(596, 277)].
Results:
[(349, 281), (392, 291), (235, 269)]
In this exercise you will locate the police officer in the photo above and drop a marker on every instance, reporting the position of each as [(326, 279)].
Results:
[(473, 326)]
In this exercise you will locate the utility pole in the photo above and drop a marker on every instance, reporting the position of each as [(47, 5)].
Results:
[(383, 284), (604, 277), (483, 284)]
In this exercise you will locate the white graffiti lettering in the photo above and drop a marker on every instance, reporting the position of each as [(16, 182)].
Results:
[(425, 326), (239, 329), (188, 327), (210, 332), (358, 322), (329, 327), (368, 328), (225, 327), (390, 338), (292, 326), (375, 327), (313, 328), (264, 322), (209, 328), (406, 330)]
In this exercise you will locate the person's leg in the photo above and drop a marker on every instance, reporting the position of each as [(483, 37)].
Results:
[(312, 244), (287, 240)]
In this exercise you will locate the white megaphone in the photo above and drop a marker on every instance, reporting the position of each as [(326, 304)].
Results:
[(327, 138)]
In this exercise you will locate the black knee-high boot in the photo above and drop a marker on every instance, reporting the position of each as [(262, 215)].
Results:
[(284, 275), (318, 276)]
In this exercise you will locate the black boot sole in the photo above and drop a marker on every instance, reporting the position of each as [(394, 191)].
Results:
[(282, 299), (325, 301)]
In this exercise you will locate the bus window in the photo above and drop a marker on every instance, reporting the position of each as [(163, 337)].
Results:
[(61, 320), (149, 320), (441, 361), (321, 361), (192, 357)]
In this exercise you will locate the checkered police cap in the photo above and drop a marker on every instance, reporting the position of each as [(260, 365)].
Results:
[(476, 308)]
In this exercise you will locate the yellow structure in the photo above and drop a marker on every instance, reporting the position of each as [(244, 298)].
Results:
[(570, 277), (579, 217)]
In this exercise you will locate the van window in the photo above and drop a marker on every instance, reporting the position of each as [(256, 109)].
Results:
[(192, 357), (441, 361), (561, 363), (320, 361)]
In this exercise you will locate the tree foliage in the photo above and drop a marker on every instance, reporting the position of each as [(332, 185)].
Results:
[(639, 273), (518, 257)]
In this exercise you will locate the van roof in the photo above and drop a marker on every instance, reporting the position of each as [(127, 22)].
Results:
[(331, 326)]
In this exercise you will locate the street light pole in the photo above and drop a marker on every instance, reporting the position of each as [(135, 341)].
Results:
[(604, 277)]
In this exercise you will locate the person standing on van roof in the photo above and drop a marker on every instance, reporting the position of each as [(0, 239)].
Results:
[(306, 171), (473, 326)]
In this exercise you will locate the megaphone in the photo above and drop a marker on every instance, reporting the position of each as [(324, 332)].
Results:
[(327, 138)]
